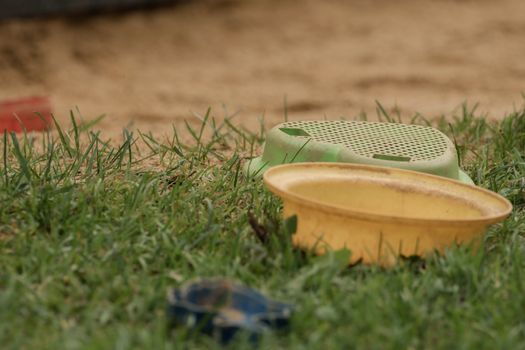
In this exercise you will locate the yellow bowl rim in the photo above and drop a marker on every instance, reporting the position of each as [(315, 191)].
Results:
[(369, 216)]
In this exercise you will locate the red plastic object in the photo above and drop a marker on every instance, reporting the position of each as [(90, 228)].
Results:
[(33, 113)]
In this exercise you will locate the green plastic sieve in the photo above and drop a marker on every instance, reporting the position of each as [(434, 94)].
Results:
[(411, 147)]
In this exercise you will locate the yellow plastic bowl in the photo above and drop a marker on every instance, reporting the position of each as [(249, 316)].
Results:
[(381, 213)]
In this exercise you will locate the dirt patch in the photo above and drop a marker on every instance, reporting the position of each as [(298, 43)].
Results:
[(330, 58)]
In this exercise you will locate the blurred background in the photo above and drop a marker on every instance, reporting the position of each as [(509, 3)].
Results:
[(150, 63)]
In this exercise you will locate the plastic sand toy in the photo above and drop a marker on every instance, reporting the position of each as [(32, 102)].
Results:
[(222, 308), (29, 114), (402, 146), (381, 213)]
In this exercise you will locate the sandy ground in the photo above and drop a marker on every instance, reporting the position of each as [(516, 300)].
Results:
[(330, 58)]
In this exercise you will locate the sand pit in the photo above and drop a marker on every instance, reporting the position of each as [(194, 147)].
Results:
[(330, 58)]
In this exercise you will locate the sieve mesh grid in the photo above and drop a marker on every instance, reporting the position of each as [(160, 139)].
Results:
[(367, 139)]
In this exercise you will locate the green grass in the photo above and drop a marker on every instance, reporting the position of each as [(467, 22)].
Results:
[(94, 233)]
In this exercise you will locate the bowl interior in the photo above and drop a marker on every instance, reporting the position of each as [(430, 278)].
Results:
[(384, 192)]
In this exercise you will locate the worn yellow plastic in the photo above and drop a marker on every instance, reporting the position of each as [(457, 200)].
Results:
[(381, 213)]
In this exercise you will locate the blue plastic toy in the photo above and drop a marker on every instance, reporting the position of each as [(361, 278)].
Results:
[(222, 308)]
